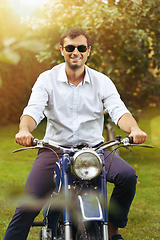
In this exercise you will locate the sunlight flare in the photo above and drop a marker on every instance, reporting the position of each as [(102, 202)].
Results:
[(26, 7)]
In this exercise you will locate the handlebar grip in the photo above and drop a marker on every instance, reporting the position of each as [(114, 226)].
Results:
[(130, 140), (34, 141)]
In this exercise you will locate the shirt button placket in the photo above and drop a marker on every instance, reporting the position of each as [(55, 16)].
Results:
[(75, 109)]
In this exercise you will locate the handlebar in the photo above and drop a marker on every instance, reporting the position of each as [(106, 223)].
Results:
[(125, 142)]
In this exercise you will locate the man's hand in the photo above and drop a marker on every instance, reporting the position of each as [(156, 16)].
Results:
[(138, 135), (24, 138)]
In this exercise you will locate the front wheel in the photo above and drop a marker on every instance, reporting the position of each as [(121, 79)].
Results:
[(89, 231)]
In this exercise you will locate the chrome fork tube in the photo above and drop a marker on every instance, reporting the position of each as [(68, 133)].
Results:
[(68, 231), (105, 231), (67, 196)]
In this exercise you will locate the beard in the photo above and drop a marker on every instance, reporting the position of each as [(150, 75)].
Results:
[(74, 66)]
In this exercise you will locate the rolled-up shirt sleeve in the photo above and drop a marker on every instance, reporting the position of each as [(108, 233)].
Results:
[(112, 101), (37, 102)]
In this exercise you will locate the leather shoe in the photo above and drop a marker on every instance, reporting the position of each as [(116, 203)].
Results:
[(117, 237)]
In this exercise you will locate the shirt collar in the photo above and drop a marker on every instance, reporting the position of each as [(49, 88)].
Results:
[(62, 76)]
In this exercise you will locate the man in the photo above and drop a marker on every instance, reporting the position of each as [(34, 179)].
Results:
[(72, 97)]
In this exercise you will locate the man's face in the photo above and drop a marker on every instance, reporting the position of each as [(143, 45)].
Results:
[(75, 59)]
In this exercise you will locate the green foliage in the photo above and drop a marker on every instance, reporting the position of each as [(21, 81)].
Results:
[(9, 53), (123, 36), (125, 46)]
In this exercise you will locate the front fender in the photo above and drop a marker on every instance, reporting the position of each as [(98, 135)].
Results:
[(90, 208)]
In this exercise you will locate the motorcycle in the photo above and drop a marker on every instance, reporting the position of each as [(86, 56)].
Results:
[(77, 209)]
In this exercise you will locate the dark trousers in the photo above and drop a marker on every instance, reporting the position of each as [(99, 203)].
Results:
[(39, 186)]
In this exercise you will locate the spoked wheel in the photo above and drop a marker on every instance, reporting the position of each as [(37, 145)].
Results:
[(89, 231)]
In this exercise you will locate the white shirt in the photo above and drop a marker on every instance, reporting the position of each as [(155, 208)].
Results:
[(74, 114)]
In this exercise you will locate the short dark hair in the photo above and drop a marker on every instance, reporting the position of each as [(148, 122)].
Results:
[(73, 33)]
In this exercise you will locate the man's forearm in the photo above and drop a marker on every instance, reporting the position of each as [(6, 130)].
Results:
[(27, 123), (26, 126), (127, 123)]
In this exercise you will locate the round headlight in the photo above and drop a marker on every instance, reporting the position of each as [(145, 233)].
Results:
[(86, 164)]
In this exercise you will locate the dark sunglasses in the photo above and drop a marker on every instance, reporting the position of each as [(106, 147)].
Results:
[(70, 48)]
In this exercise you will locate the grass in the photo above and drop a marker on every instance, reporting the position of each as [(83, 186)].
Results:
[(144, 216), (14, 169)]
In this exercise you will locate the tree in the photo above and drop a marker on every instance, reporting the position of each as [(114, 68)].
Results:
[(123, 35), (125, 46)]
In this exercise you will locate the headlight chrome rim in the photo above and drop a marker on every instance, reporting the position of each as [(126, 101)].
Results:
[(86, 164)]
